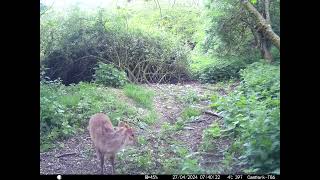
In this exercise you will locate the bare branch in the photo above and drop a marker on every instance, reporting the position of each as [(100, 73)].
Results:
[(66, 154), (212, 113), (157, 4), (47, 9)]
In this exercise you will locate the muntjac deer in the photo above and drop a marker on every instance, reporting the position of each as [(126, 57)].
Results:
[(108, 140)]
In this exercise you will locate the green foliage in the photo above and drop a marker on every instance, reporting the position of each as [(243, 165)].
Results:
[(190, 112), (276, 55), (209, 137), (136, 161), (184, 23), (253, 1), (200, 61), (182, 161), (227, 162), (137, 44), (150, 118), (140, 94), (190, 166), (108, 75), (167, 129), (179, 124), (174, 158), (43, 8), (180, 23), (65, 110), (222, 70), (232, 29), (252, 113), (190, 97), (266, 85), (141, 140), (213, 131), (72, 45)]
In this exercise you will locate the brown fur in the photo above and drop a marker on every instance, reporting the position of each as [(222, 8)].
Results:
[(108, 140)]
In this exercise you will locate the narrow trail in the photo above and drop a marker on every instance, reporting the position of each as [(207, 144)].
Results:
[(169, 105), (76, 155)]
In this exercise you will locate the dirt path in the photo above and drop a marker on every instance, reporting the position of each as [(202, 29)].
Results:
[(170, 103), (76, 155)]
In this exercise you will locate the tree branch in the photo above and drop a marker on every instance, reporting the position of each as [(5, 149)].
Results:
[(67, 154), (212, 113), (157, 4), (47, 9), (262, 23)]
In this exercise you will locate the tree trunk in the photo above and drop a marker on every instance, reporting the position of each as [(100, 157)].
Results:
[(265, 51), (266, 45), (262, 23), (262, 44), (267, 11)]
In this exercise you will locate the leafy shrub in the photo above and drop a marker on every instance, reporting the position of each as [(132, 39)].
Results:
[(200, 61), (276, 54), (189, 97), (108, 75), (252, 113), (183, 23), (81, 40), (213, 131), (222, 70)]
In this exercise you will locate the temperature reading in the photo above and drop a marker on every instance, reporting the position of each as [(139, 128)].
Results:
[(238, 177)]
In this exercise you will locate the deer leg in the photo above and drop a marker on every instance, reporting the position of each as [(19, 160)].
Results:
[(112, 163), (101, 157)]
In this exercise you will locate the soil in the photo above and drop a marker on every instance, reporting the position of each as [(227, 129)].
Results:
[(76, 155)]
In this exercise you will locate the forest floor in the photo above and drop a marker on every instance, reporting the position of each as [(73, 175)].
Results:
[(162, 141)]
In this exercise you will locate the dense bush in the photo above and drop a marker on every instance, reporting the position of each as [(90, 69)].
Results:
[(108, 75), (252, 114), (75, 43), (221, 70)]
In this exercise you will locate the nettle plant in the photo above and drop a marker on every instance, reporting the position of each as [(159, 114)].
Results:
[(108, 75), (252, 114)]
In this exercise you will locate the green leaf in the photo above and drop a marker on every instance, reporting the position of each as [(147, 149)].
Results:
[(253, 1)]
